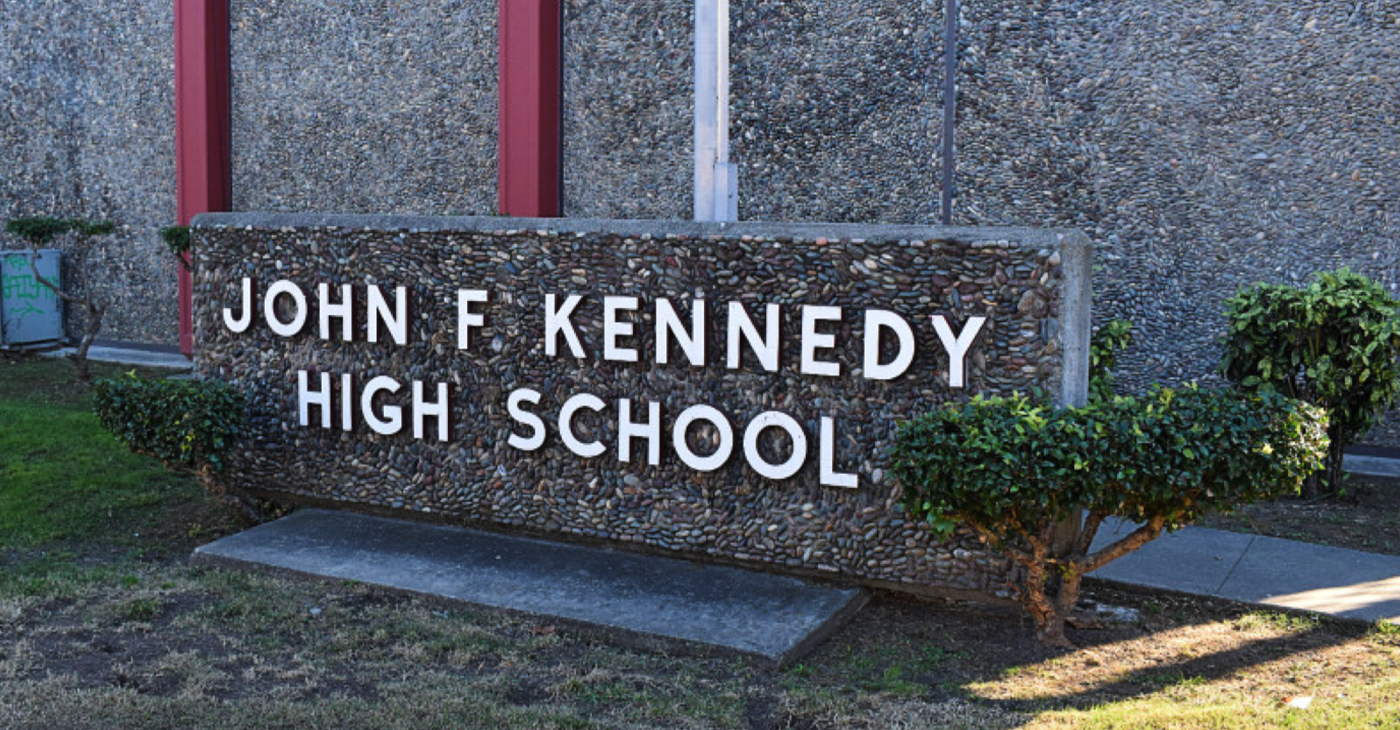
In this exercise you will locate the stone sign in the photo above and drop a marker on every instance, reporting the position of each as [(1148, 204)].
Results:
[(723, 390)]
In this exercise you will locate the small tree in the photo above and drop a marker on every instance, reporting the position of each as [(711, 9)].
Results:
[(39, 231), (1012, 471), (178, 240), (1334, 343)]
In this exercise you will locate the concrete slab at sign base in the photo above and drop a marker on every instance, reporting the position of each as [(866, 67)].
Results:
[(772, 618)]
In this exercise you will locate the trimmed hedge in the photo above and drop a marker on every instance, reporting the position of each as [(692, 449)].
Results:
[(1013, 471), (186, 424)]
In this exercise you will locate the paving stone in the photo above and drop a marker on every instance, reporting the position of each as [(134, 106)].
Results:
[(633, 597)]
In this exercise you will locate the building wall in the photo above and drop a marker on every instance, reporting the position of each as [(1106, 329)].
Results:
[(87, 130), (364, 107), (843, 123), (627, 108), (839, 125), (1202, 149)]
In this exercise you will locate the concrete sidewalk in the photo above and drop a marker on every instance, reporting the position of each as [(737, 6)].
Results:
[(125, 354), (1263, 570), (1372, 466)]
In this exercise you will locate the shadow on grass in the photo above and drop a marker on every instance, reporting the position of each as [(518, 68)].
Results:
[(902, 647), (1148, 680)]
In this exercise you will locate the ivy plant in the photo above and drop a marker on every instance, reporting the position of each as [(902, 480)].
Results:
[(1334, 343), (1012, 471)]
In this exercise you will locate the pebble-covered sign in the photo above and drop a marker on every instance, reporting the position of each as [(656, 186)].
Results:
[(716, 389)]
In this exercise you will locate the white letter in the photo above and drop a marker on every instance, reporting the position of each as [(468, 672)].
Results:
[(957, 347), (397, 322), (614, 328), (536, 439), (669, 323), (775, 419), (441, 410), (393, 415), (726, 438), (557, 321), (627, 430), (347, 408), (812, 341), (876, 320), (307, 398), (465, 318), (342, 310), (286, 329), (829, 476), (239, 325), (566, 424), (766, 348)]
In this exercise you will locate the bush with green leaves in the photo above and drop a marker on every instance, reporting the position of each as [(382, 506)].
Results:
[(1334, 343), (1104, 346), (178, 240), (188, 425), (1013, 472)]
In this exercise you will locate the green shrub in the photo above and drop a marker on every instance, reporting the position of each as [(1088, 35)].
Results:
[(1104, 346), (187, 424), (177, 239), (1334, 343), (1013, 471)]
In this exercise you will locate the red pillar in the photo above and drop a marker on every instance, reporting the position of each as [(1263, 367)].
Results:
[(201, 125), (529, 171)]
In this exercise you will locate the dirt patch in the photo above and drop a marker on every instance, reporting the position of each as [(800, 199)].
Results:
[(1366, 518)]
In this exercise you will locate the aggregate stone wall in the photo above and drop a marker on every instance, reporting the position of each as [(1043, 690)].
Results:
[(1202, 148), (1032, 286), (1203, 151), (627, 107), (834, 109), (842, 123), (87, 128), (364, 107)]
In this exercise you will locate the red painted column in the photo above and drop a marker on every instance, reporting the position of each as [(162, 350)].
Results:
[(529, 170), (201, 125)]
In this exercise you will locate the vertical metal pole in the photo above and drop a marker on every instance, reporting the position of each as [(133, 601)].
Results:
[(714, 191), (529, 168), (950, 104), (202, 161)]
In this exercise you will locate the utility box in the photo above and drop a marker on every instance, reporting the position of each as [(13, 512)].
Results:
[(31, 314)]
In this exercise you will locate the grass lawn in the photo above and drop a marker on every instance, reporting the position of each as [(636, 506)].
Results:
[(104, 624)]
